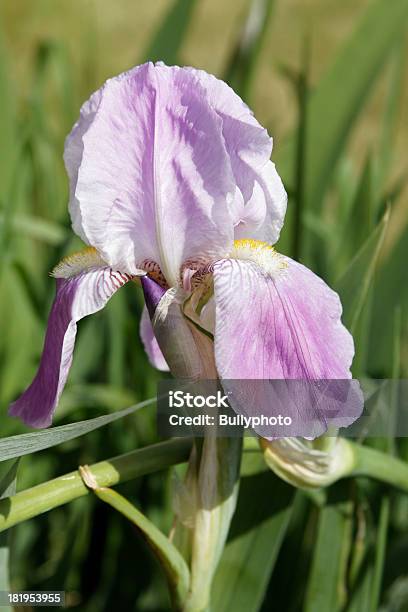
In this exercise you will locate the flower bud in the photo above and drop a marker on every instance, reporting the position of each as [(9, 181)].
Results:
[(309, 464)]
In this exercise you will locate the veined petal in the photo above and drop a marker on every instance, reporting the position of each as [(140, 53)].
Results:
[(150, 343), (263, 215), (281, 321), (260, 206), (76, 297), (150, 175)]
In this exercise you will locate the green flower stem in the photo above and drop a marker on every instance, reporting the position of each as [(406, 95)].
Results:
[(217, 492), (37, 500), (61, 490), (379, 466)]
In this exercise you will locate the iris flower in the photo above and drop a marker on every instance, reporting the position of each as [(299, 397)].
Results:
[(171, 185)]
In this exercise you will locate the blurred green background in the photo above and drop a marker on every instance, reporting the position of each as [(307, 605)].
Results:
[(328, 78)]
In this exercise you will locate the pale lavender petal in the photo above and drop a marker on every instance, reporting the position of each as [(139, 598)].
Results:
[(282, 326), (263, 214), (150, 174), (285, 324), (150, 343), (76, 298), (73, 153), (260, 206)]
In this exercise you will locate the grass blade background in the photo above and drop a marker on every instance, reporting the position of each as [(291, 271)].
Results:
[(24, 444), (166, 43), (354, 283), (7, 488), (169, 557), (241, 69), (256, 534), (327, 581), (341, 94)]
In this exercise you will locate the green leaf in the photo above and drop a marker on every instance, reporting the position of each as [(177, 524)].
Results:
[(170, 559), (354, 283), (257, 531), (52, 62), (341, 94), (24, 444), (326, 585), (391, 290), (36, 228), (117, 315), (8, 148), (394, 100), (7, 488), (380, 553), (63, 489), (241, 70), (302, 87), (165, 44), (360, 220)]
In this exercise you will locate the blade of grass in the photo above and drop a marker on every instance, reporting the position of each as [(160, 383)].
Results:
[(354, 283), (241, 69), (36, 228), (393, 103), (361, 565), (301, 148), (326, 587), (391, 290), (8, 140), (166, 43), (117, 315), (25, 444), (380, 549), (257, 531), (7, 488), (340, 96)]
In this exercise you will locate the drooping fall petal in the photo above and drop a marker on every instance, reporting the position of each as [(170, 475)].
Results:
[(76, 297), (281, 321)]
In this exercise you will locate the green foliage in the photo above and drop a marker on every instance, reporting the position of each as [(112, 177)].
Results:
[(7, 488), (165, 44), (345, 551), (256, 535)]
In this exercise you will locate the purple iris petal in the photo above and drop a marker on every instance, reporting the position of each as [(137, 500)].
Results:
[(283, 325), (76, 298), (162, 164), (153, 293)]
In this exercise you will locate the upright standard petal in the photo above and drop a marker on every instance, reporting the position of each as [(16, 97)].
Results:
[(260, 204), (150, 175), (278, 320), (76, 297)]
